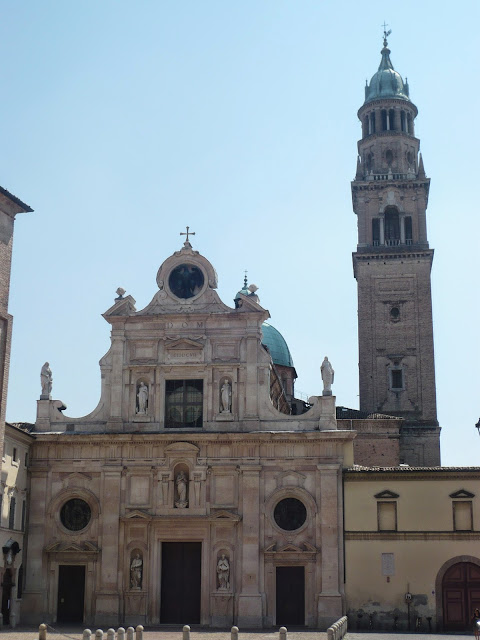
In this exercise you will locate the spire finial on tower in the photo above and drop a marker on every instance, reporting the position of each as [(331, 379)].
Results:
[(245, 280), (385, 33)]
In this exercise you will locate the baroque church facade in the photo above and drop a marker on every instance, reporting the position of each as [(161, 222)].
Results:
[(200, 490)]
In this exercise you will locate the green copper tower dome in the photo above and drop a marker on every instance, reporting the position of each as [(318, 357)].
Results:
[(386, 83)]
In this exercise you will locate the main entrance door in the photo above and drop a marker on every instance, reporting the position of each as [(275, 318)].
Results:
[(290, 596), (71, 593), (181, 576), (461, 595)]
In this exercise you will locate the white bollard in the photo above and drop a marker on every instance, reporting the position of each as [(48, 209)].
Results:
[(99, 634), (42, 632), (139, 632), (130, 633), (186, 632), (87, 634), (234, 633), (121, 633), (110, 634), (283, 633)]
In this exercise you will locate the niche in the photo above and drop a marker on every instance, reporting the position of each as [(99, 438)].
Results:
[(181, 480)]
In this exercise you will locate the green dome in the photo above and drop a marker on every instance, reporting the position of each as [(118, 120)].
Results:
[(386, 83), (278, 348)]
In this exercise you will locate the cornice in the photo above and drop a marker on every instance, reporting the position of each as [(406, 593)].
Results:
[(417, 255), (412, 535), (377, 185)]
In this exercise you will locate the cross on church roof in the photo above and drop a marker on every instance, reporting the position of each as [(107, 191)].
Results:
[(191, 233), (385, 33)]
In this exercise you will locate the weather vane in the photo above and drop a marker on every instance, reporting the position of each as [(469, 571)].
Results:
[(385, 33), (189, 233)]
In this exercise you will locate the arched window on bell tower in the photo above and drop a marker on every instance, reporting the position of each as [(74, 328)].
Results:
[(392, 227)]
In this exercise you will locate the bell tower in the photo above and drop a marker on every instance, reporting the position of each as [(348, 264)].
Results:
[(392, 267)]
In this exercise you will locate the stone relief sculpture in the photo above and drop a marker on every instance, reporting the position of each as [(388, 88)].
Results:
[(182, 490), (223, 573), (226, 397), (136, 572), (46, 380), (142, 399), (328, 375)]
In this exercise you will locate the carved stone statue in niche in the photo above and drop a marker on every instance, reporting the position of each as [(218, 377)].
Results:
[(181, 483), (226, 397), (223, 573), (136, 572), (142, 399)]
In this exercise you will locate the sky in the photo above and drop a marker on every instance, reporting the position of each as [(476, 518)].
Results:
[(123, 122)]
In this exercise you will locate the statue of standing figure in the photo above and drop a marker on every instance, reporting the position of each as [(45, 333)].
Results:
[(181, 483), (136, 570), (142, 399), (226, 396), (46, 381), (328, 375), (223, 573)]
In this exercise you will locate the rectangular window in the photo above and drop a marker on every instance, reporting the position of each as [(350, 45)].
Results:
[(11, 514), (14, 454), (396, 378), (462, 515), (24, 511), (183, 404), (387, 516), (26, 459)]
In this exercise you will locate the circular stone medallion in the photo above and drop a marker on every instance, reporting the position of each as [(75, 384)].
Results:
[(186, 281), (75, 514), (290, 514)]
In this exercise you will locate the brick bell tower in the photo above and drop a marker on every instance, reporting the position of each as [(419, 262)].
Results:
[(392, 267)]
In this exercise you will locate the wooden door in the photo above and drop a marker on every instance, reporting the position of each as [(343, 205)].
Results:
[(71, 593), (461, 595), (181, 582), (290, 598)]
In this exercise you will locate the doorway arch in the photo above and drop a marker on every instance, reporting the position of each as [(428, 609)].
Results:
[(457, 590)]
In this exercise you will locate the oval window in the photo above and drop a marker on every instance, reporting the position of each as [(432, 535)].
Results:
[(75, 514), (290, 514)]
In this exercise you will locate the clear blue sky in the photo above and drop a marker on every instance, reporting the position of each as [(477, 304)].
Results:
[(122, 122)]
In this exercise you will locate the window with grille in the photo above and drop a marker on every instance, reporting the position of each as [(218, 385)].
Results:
[(183, 404)]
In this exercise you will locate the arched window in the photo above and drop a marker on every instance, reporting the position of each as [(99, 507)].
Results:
[(376, 232), (384, 120), (408, 230), (372, 122), (391, 118), (403, 122), (392, 227)]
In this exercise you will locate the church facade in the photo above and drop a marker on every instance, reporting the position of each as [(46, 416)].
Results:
[(201, 491), (187, 495)]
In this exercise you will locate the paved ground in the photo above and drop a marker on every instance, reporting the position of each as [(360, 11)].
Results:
[(175, 633)]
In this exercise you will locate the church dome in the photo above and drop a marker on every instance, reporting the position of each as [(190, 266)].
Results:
[(386, 83), (277, 347)]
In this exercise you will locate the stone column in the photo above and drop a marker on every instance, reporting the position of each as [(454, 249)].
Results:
[(382, 230), (330, 598), (107, 594), (250, 599), (116, 380), (34, 602), (251, 382)]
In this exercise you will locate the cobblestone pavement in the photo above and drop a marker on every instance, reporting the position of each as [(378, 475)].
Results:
[(400, 636)]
